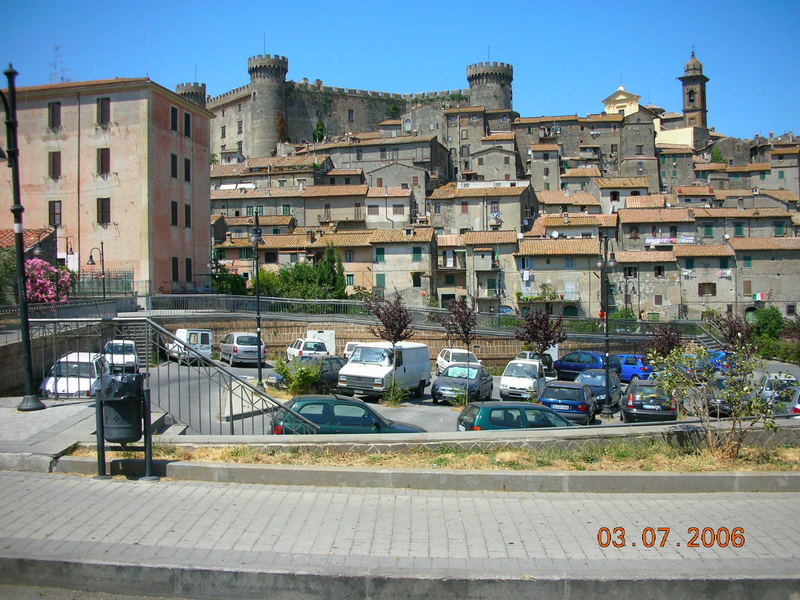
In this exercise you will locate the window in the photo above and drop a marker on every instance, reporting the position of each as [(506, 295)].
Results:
[(281, 183), (437, 208), (54, 115), (464, 134), (359, 154), (383, 153), (464, 207), (762, 176), (723, 262), (674, 172), (188, 265), (706, 289), (357, 211), (286, 209), (569, 262), (245, 253), (690, 263), (173, 165), (494, 207), (379, 181), (738, 229), (239, 147), (104, 211), (238, 127), (54, 213), (398, 209), (473, 118), (779, 228), (546, 171), (103, 111), (222, 132), (791, 309), (415, 181), (416, 253), (187, 132), (173, 124), (351, 115), (270, 257), (639, 149), (747, 287), (747, 262), (372, 209), (451, 120), (631, 271), (780, 174), (449, 279), (173, 220), (380, 255), (187, 215), (348, 256), (174, 268), (613, 148), (506, 160), (380, 280), (293, 257), (187, 169), (416, 280), (708, 230), (54, 165), (103, 161), (658, 300), (634, 233), (349, 279), (248, 211), (347, 181), (258, 210)]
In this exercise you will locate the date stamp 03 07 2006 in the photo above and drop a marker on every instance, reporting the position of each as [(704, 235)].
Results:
[(706, 537)]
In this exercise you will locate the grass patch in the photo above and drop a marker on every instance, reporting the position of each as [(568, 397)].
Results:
[(624, 455)]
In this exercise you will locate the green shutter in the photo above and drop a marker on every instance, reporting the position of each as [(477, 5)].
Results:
[(738, 229), (723, 262), (748, 262), (379, 255), (690, 263), (416, 254), (380, 280)]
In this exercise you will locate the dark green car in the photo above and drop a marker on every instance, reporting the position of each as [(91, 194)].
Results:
[(336, 414), (482, 416)]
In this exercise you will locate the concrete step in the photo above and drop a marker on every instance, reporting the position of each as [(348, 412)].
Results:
[(176, 429)]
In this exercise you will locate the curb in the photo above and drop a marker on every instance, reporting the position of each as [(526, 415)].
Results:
[(450, 480)]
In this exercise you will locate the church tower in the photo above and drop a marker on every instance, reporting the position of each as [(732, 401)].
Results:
[(695, 112)]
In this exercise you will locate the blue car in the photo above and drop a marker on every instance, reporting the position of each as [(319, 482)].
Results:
[(571, 399), (720, 360), (632, 366), (571, 365)]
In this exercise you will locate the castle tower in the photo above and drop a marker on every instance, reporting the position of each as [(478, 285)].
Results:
[(490, 84), (695, 113), (268, 85), (193, 92)]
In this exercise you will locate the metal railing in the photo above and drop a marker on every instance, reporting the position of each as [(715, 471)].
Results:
[(73, 309)]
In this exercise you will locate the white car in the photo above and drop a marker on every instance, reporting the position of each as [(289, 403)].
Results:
[(121, 356), (348, 349), (75, 375), (304, 347), (522, 379), (449, 356)]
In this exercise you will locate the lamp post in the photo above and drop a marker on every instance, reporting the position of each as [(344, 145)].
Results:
[(29, 400), (91, 263), (255, 238), (605, 263)]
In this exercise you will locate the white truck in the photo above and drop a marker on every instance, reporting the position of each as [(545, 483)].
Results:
[(373, 366)]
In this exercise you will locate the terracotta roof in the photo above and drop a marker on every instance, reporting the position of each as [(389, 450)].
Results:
[(561, 197), (269, 220), (650, 201), (354, 239), (464, 109), (749, 168), (249, 193), (682, 250), (532, 120), (792, 150), (784, 195), (270, 242), (530, 247), (448, 192), (315, 191), (336, 172), (723, 194), (395, 141), (753, 243), (655, 215), (390, 192), (81, 84), (498, 137), (544, 147), (389, 236), (645, 256), (601, 118), (694, 190), (621, 182), (391, 122), (710, 167), (734, 213), (276, 163), (216, 217), (30, 237), (582, 172), (449, 241), (472, 238), (667, 149)]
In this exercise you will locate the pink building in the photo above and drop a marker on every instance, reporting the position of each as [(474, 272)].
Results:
[(123, 162)]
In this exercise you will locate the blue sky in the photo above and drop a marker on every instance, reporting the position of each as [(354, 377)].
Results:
[(567, 56)]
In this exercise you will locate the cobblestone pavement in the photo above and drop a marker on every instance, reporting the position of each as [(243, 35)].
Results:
[(393, 532)]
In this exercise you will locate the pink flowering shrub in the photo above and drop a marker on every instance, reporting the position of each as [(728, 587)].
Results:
[(45, 283)]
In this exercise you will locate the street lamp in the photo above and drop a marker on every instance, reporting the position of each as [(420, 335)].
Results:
[(255, 238), (29, 400), (91, 263), (604, 264)]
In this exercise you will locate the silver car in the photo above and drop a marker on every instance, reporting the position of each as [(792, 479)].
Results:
[(241, 347)]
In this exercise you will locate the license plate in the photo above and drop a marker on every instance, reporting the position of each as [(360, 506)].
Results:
[(651, 406), (448, 393), (560, 407), (462, 428)]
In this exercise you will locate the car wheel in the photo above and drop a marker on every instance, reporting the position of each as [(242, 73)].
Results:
[(635, 378), (420, 390)]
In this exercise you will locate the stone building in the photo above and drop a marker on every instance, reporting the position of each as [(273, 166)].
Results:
[(451, 268), (613, 192), (455, 210), (656, 228), (648, 283), (559, 201), (491, 267), (544, 167)]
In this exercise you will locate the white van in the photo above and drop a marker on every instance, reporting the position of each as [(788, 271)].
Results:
[(199, 340), (522, 379), (373, 364)]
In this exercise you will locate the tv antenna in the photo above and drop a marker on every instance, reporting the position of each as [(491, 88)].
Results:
[(58, 74)]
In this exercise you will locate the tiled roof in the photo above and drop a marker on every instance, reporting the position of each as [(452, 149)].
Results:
[(82, 84), (316, 191), (621, 182), (532, 120), (784, 195), (452, 240), (694, 190), (792, 150), (749, 168), (655, 215), (268, 220), (249, 193), (582, 172), (529, 247), (667, 149), (544, 147), (464, 109), (335, 172), (215, 218), (710, 167), (734, 213), (498, 137), (30, 237), (353, 239), (276, 163), (389, 236), (395, 141), (754, 243), (682, 250), (390, 192), (391, 122), (723, 194), (447, 192), (645, 256), (555, 222), (472, 238), (651, 201), (269, 242), (601, 118), (561, 197)]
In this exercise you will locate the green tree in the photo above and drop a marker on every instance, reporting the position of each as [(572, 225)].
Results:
[(769, 323), (8, 273), (330, 273), (717, 156), (319, 132), (225, 282), (623, 314)]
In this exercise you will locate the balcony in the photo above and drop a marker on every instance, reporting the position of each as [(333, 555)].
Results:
[(552, 297), (458, 263), (486, 265), (484, 293), (669, 241)]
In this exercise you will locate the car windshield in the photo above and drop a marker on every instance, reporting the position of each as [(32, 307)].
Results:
[(461, 372), (649, 391), (247, 340), (520, 370), (372, 356), (120, 348), (562, 393), (314, 346), (463, 357), (73, 369), (778, 385), (593, 378)]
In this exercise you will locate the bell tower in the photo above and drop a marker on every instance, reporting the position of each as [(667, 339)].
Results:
[(695, 112)]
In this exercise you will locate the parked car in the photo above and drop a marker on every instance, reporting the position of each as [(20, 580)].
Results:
[(348, 349), (631, 366), (571, 399), (448, 356), (373, 367), (305, 347), (471, 379), (121, 356), (545, 358), (596, 380), (644, 401), (482, 416), (773, 387), (720, 360), (199, 340), (329, 367), (522, 379), (242, 347), (75, 375), (792, 406), (337, 414), (568, 366)]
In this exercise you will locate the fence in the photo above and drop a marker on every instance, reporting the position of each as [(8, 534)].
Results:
[(73, 309), (117, 282)]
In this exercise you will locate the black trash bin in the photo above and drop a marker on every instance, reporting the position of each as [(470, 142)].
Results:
[(123, 408)]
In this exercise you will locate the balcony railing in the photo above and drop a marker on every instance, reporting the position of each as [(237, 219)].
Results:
[(486, 265), (550, 297), (451, 265)]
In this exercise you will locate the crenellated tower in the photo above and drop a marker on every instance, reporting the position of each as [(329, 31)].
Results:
[(193, 92), (268, 98), (490, 84), (695, 110)]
